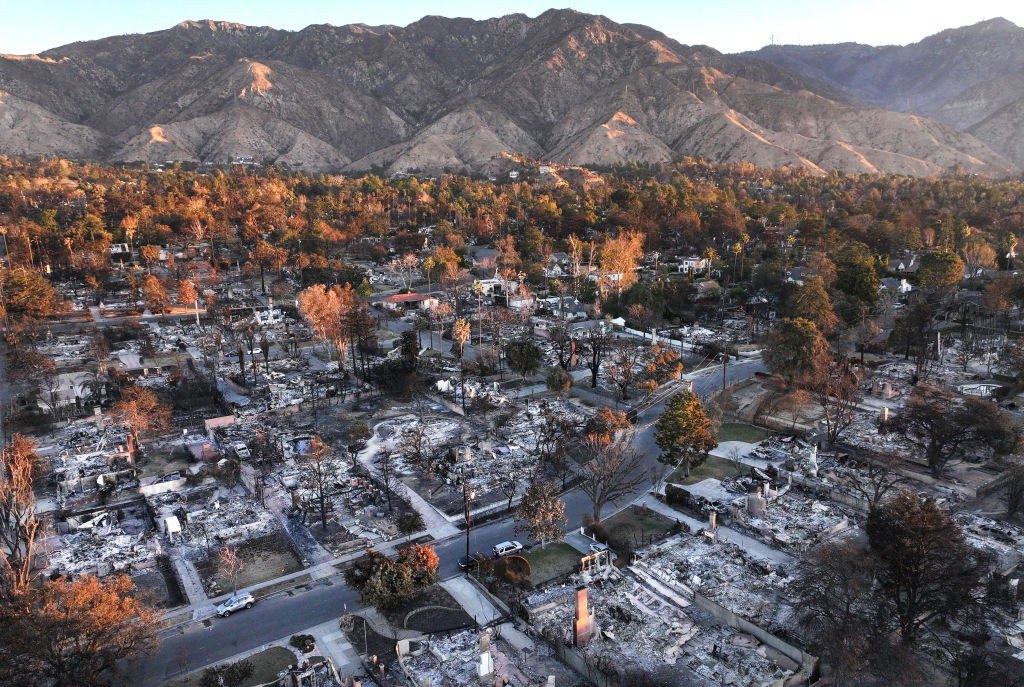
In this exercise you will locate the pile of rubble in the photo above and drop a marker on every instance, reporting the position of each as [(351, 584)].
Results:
[(442, 661), (206, 515), (744, 584), (641, 631), (101, 541), (1002, 540), (787, 519)]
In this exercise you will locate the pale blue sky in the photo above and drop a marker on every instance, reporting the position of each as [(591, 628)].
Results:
[(728, 25)]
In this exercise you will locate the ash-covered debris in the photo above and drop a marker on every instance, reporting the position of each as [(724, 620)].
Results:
[(440, 453), (101, 541), (211, 515), (643, 631), (741, 582), (787, 518)]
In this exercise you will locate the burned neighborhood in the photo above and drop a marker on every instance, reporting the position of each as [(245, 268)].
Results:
[(697, 425)]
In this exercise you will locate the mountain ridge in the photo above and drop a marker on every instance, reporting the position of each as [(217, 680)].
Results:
[(449, 95), (970, 77)]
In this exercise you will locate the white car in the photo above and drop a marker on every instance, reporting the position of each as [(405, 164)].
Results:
[(241, 450), (235, 603), (506, 548)]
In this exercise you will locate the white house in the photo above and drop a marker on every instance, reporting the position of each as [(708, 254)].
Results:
[(900, 286), (905, 264), (693, 265)]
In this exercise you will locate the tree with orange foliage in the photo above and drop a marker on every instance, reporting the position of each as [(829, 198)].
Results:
[(423, 563), (74, 633), (154, 293), (140, 409), (265, 255), (663, 364), (384, 582), (149, 254), (620, 256), (606, 423), (328, 311), (187, 293)]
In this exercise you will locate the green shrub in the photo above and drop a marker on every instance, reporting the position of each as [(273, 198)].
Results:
[(304, 643)]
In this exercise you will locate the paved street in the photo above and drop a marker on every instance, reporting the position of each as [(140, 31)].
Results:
[(269, 620)]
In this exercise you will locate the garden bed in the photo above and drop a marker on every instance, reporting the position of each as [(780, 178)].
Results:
[(431, 610), (267, 665), (634, 527)]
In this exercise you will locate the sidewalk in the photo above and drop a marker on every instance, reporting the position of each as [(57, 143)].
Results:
[(725, 534), (476, 604), (471, 599), (190, 582), (332, 643)]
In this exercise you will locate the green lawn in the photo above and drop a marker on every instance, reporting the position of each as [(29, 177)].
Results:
[(738, 431), (634, 528), (554, 560), (266, 666), (714, 466)]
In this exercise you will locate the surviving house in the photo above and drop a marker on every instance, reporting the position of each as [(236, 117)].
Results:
[(694, 265), (410, 301)]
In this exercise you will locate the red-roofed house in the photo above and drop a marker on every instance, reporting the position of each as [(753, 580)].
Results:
[(409, 301)]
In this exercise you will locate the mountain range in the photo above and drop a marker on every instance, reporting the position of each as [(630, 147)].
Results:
[(971, 78), (453, 94)]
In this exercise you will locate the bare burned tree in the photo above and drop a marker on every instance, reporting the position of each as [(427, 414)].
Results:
[(596, 343), (624, 366), (554, 440), (265, 453), (833, 592), (418, 449), (608, 471), (878, 477), (319, 473), (838, 394), (509, 483), (564, 344), (385, 464)]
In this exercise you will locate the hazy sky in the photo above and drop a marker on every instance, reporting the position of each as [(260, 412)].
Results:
[(728, 25)]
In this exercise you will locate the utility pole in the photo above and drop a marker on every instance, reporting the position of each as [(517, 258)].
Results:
[(725, 358), (467, 499)]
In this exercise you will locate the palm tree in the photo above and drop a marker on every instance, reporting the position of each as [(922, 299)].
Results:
[(478, 289), (461, 331), (710, 254)]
